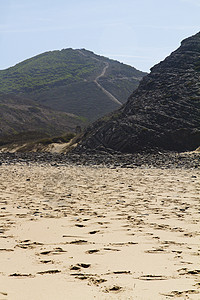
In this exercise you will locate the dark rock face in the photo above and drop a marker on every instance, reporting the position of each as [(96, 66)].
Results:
[(163, 113)]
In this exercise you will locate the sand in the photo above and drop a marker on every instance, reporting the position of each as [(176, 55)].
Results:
[(74, 232)]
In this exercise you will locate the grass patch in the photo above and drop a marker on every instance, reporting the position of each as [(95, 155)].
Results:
[(57, 139)]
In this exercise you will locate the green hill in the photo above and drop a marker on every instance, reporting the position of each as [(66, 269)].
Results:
[(73, 81)]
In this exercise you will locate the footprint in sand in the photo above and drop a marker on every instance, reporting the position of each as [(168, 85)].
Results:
[(3, 293), (20, 275), (79, 266), (79, 242), (93, 232), (47, 261), (49, 272), (55, 251), (182, 294), (152, 277), (115, 288), (92, 251), (27, 244)]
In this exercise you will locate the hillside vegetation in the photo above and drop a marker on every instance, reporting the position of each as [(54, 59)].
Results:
[(65, 80), (23, 119), (47, 70)]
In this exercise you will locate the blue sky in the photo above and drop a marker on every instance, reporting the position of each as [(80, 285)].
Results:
[(137, 32)]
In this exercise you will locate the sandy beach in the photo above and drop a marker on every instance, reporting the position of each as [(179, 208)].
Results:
[(83, 232)]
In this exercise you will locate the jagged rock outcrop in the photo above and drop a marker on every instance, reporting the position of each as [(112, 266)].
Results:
[(163, 113)]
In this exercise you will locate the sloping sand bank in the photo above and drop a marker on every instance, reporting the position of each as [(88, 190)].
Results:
[(73, 232)]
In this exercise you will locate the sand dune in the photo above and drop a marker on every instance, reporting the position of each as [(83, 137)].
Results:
[(70, 232)]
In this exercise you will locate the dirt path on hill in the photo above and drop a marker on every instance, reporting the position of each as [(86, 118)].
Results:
[(106, 92), (113, 98)]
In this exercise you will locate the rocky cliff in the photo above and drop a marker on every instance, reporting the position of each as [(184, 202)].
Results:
[(163, 113)]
